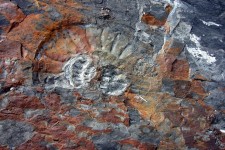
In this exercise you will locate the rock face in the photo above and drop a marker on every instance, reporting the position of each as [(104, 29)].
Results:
[(108, 74), (15, 133)]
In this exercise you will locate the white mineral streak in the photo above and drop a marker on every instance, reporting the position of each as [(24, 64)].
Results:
[(140, 97), (198, 53), (209, 23), (223, 131)]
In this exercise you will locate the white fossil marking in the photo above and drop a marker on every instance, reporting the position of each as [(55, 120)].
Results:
[(79, 70)]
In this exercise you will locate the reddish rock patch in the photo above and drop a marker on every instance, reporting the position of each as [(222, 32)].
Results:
[(10, 49)]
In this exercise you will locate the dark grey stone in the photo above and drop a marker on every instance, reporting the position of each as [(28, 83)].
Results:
[(74, 112), (27, 6), (134, 116), (108, 146), (122, 17), (118, 135), (219, 121), (113, 82), (168, 86), (216, 99), (14, 133), (90, 94), (104, 138), (54, 14), (207, 21), (66, 95), (3, 21)]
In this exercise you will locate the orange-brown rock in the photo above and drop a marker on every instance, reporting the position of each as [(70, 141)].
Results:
[(24, 102), (166, 64), (142, 105), (64, 45), (40, 26), (147, 106), (151, 114), (167, 144), (169, 65), (84, 144), (3, 148), (53, 101), (197, 87), (168, 8), (10, 49), (114, 117), (182, 88), (152, 20), (47, 65), (180, 70), (32, 38), (17, 72), (14, 81), (172, 46), (18, 104)]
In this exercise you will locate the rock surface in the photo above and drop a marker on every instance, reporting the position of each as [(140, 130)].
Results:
[(108, 74)]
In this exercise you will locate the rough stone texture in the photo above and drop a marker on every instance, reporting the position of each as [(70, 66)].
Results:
[(109, 74), (10, 49), (14, 133)]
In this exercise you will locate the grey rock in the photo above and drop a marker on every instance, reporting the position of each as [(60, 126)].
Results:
[(96, 125), (104, 138), (167, 86), (219, 121), (29, 113), (66, 95), (113, 82), (14, 133), (134, 116), (4, 103), (27, 6), (74, 112), (90, 94), (3, 21), (216, 99), (108, 146), (54, 14)]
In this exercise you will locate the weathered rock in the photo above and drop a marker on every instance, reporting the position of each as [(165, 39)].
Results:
[(14, 133), (113, 82), (106, 74), (10, 49)]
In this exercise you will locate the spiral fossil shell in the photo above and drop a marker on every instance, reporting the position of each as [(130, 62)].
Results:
[(118, 64)]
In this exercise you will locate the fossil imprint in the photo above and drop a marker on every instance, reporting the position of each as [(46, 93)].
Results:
[(112, 65), (80, 70)]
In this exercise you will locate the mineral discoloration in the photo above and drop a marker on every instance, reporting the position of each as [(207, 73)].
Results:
[(106, 74)]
